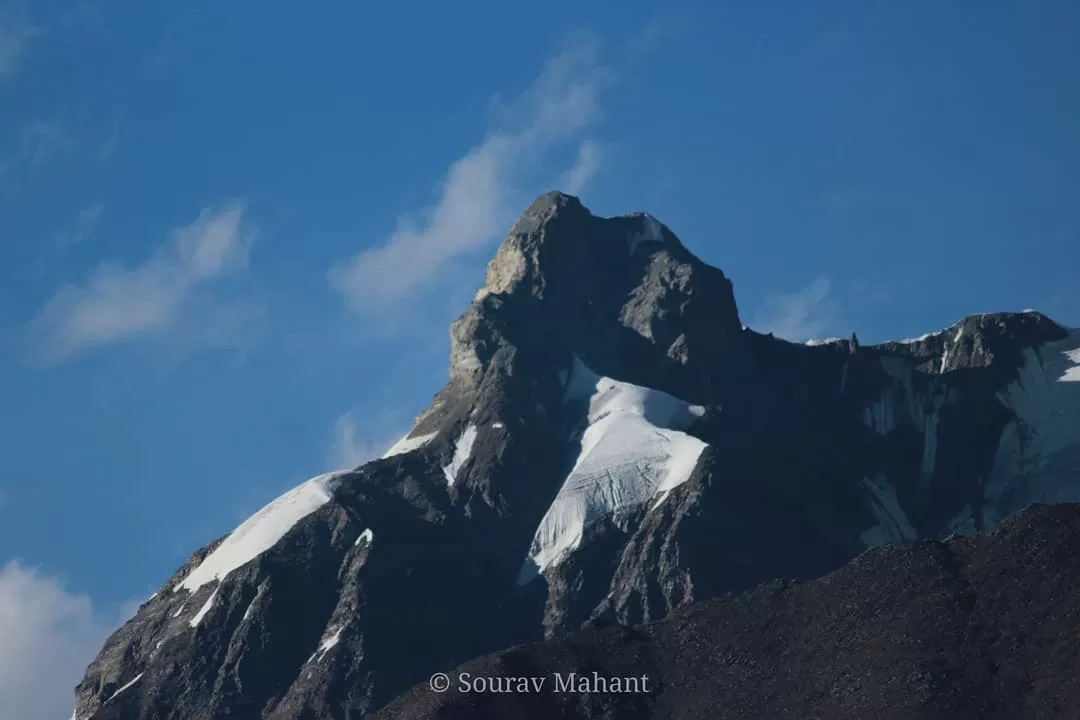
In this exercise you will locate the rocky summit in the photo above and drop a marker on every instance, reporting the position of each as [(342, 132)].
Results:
[(613, 446)]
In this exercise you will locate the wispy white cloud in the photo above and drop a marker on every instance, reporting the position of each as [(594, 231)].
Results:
[(16, 34), (350, 450), (81, 228), (584, 169), (484, 189), (42, 140), (84, 225), (804, 314), (48, 635), (116, 304), (74, 233), (107, 146)]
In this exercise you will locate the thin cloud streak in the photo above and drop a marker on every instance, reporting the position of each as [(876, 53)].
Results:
[(801, 315), (16, 35), (483, 190), (584, 169), (42, 141), (116, 304), (350, 451)]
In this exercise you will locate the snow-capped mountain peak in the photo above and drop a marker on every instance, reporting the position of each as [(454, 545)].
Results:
[(612, 443)]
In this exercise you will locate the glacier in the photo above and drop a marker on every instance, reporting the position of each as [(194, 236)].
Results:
[(632, 451)]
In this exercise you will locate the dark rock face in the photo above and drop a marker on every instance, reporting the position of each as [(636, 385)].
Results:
[(612, 445), (621, 293), (982, 627)]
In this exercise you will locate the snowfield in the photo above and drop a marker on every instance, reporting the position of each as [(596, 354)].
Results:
[(261, 531), (632, 452)]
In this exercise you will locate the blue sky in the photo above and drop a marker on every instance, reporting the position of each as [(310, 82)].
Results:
[(233, 234)]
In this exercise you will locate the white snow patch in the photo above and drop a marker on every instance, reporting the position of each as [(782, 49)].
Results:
[(1072, 374), (683, 451), (408, 444), (893, 525), (497, 426), (122, 689), (927, 336), (181, 610), (194, 622), (631, 452), (462, 450), (326, 645), (262, 531), (366, 536), (825, 341), (945, 353)]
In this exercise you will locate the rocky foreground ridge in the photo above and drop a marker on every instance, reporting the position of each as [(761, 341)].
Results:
[(978, 628), (611, 446)]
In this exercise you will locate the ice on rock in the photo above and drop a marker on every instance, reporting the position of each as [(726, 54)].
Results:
[(326, 645), (632, 452), (651, 233), (194, 622), (367, 536), (125, 687), (912, 341), (462, 450), (1072, 374), (261, 531), (955, 345), (902, 404), (250, 609), (892, 525), (1037, 458)]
